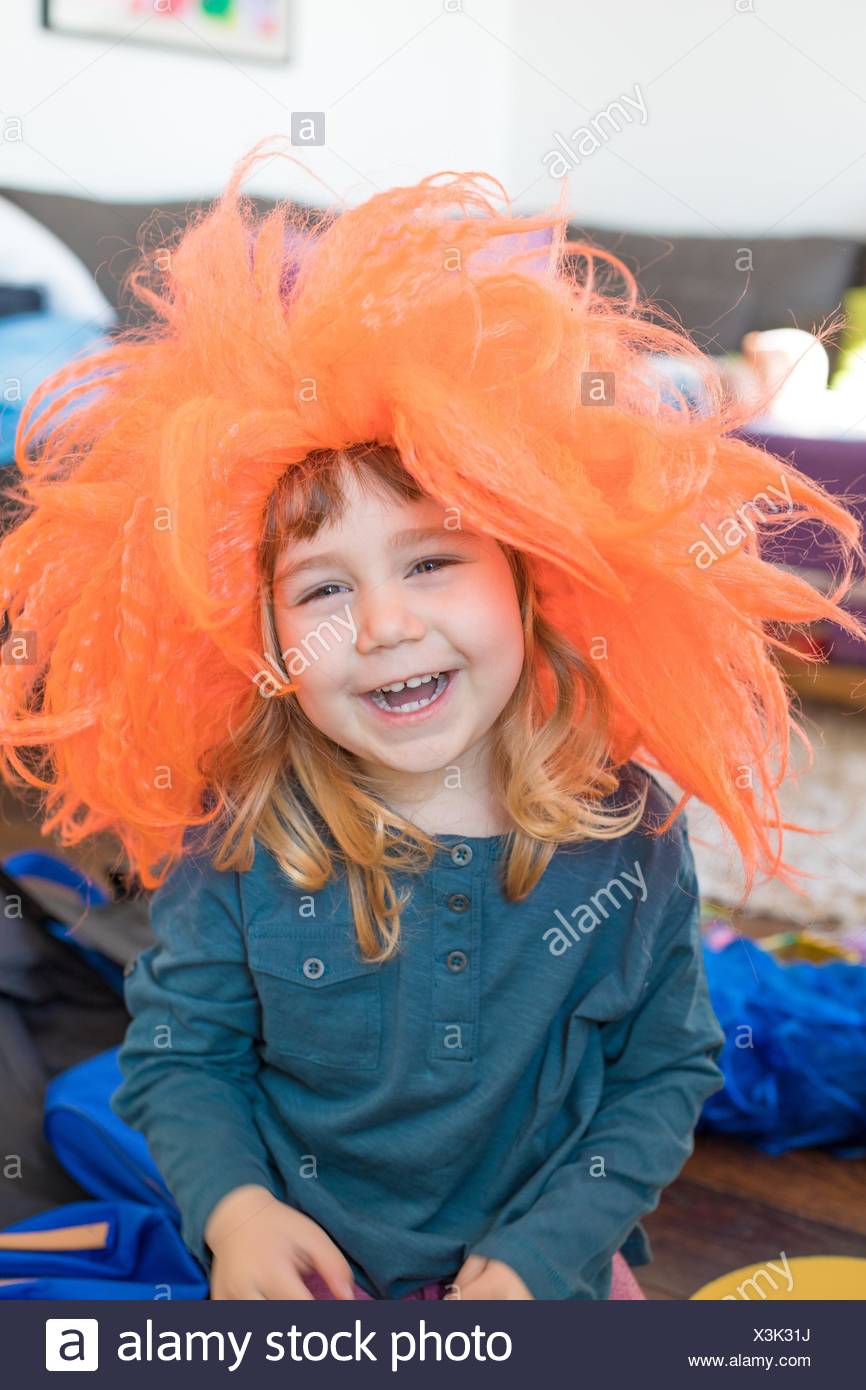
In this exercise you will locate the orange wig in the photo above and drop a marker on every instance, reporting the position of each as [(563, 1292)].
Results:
[(525, 395)]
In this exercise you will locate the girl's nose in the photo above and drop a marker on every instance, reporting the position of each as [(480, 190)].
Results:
[(383, 620)]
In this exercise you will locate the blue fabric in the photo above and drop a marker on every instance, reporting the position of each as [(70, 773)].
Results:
[(529, 1106), (795, 1056), (142, 1257), (98, 1149), (32, 346)]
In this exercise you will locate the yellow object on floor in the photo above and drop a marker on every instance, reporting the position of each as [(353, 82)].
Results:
[(837, 1277), (808, 946)]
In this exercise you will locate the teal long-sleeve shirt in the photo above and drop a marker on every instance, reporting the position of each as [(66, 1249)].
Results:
[(521, 1082)]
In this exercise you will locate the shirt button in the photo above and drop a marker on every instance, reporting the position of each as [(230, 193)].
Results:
[(313, 968), (461, 854), (457, 960), (458, 902)]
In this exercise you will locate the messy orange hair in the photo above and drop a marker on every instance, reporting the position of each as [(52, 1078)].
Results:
[(147, 482)]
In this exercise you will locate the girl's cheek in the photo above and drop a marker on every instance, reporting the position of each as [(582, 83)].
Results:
[(326, 675), (300, 645), (493, 616)]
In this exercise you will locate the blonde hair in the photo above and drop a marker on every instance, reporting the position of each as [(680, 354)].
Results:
[(548, 781)]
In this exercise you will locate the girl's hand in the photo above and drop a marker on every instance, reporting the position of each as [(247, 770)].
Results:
[(261, 1249), (479, 1277)]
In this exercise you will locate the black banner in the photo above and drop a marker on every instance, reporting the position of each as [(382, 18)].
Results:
[(406, 1344)]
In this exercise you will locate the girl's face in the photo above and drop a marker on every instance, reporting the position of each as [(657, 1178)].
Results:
[(371, 601)]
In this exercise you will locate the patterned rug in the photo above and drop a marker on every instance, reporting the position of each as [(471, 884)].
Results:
[(831, 797)]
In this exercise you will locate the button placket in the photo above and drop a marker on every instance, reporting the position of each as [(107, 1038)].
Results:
[(457, 897)]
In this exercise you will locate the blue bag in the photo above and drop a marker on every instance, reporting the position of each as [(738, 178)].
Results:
[(136, 1250), (97, 1148), (139, 1255)]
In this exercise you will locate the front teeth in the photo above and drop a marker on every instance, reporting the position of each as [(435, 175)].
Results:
[(412, 683), (379, 699)]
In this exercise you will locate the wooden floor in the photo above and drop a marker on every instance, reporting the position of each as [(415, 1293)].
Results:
[(733, 1205)]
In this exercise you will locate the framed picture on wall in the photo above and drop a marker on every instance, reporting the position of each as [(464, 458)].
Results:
[(256, 30)]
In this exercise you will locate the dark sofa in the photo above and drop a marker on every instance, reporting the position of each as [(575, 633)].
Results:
[(702, 281)]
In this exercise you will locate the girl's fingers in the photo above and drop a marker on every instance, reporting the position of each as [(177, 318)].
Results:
[(288, 1284), (331, 1264), (219, 1296), (480, 1286), (470, 1269)]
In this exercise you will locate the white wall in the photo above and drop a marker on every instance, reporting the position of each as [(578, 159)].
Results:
[(751, 121), (400, 101), (755, 111)]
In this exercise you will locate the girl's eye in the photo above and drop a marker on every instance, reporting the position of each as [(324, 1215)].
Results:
[(317, 592), (437, 561)]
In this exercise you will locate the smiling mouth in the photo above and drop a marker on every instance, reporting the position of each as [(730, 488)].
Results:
[(410, 697)]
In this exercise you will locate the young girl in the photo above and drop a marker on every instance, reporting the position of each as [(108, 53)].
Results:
[(349, 593)]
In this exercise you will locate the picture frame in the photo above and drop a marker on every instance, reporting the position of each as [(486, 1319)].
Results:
[(245, 30)]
